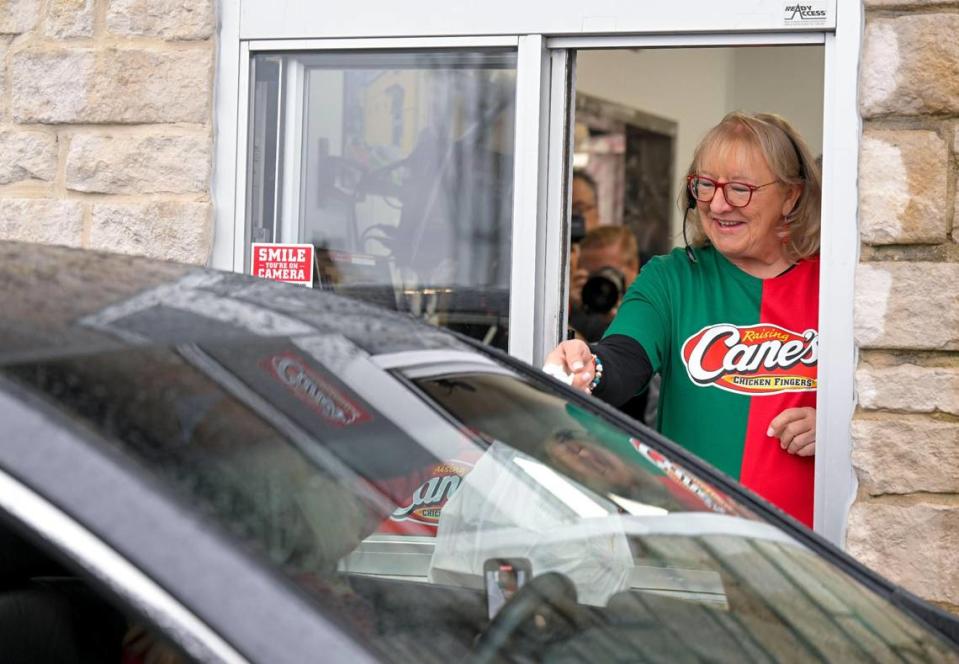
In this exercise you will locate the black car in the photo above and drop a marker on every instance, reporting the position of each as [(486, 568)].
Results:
[(200, 465)]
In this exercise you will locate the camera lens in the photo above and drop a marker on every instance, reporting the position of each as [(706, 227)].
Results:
[(603, 290)]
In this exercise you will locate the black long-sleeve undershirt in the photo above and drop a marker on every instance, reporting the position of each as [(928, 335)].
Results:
[(626, 369)]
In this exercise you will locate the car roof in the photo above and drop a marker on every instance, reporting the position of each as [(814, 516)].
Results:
[(60, 301)]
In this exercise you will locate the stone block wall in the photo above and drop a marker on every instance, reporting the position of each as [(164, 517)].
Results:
[(106, 124), (905, 520)]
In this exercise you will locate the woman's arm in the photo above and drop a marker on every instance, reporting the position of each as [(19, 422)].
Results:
[(626, 369)]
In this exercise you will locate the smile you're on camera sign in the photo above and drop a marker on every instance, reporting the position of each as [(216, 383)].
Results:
[(292, 263)]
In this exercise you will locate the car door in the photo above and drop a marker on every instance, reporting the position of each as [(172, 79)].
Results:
[(154, 558)]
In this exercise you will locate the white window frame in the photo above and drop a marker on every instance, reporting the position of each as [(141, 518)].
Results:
[(836, 483), (542, 155)]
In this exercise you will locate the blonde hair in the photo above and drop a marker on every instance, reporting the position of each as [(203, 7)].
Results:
[(789, 159)]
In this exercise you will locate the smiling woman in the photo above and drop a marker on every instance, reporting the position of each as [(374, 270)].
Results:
[(732, 324), (767, 216)]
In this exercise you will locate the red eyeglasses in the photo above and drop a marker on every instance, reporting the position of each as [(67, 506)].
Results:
[(737, 194)]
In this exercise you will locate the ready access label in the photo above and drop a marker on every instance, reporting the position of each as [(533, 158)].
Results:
[(292, 263)]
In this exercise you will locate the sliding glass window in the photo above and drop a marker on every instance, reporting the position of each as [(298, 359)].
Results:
[(398, 167)]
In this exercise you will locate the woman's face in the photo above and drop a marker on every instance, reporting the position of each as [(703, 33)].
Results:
[(748, 236)]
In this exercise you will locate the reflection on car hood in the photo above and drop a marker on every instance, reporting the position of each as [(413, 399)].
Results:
[(59, 301)]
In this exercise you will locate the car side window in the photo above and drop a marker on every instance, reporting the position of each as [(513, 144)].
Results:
[(50, 613)]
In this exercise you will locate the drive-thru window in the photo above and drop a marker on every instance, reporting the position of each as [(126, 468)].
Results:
[(397, 166), (427, 153)]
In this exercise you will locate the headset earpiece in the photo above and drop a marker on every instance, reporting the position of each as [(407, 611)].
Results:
[(690, 254), (690, 205)]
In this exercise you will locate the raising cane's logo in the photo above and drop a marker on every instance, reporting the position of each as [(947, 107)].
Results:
[(311, 388), (710, 497), (430, 496), (757, 360)]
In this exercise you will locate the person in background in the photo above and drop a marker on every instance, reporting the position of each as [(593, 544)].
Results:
[(585, 200), (584, 215), (608, 264), (730, 321)]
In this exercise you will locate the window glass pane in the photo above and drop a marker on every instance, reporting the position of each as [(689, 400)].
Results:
[(264, 133), (386, 499), (398, 168)]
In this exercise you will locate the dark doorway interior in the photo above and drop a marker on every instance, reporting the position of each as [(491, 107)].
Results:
[(630, 156), (646, 202)]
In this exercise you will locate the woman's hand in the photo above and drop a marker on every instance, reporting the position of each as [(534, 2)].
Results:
[(796, 430), (575, 358)]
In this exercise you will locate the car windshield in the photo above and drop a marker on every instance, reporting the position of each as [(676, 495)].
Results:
[(441, 505)]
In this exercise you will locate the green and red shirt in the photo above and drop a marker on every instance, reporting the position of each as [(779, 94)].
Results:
[(734, 351)]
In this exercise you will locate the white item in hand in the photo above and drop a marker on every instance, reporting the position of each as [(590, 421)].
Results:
[(556, 371)]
